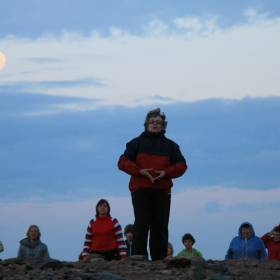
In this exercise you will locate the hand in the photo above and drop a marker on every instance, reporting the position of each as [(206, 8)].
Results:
[(161, 174), (145, 172)]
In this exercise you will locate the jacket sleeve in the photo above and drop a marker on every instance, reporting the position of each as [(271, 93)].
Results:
[(46, 254), (127, 161), (229, 254), (119, 238), (178, 164), (263, 254), (265, 238), (20, 254), (88, 240)]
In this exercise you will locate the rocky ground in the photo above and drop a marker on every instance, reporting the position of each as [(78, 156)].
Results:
[(176, 268)]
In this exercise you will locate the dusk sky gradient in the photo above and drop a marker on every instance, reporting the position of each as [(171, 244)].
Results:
[(79, 79)]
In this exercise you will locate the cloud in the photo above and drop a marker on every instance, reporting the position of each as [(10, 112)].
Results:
[(214, 62), (253, 15), (225, 142), (197, 26), (187, 215)]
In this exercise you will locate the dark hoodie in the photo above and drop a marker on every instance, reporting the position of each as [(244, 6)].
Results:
[(37, 250), (251, 248), (156, 152)]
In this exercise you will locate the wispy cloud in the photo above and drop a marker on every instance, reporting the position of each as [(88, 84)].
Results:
[(197, 26), (214, 62)]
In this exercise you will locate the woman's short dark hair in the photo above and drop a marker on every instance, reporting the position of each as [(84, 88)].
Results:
[(156, 113), (188, 236), (100, 202)]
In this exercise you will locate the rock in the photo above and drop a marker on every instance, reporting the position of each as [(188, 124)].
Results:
[(178, 262), (175, 268)]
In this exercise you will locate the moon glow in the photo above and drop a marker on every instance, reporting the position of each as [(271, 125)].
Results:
[(2, 60)]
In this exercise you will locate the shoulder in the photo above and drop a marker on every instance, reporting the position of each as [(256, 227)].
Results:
[(258, 240), (91, 222), (24, 242), (44, 246), (181, 253), (197, 252), (115, 221), (135, 140), (235, 240), (171, 142)]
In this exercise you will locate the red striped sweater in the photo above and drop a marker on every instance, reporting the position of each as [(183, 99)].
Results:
[(104, 234)]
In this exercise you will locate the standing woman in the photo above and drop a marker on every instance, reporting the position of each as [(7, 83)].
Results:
[(153, 161), (31, 247), (104, 235)]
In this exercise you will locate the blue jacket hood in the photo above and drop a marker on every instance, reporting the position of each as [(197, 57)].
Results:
[(252, 231)]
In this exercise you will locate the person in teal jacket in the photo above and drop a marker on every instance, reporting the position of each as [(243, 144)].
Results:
[(31, 248), (246, 245), (188, 241)]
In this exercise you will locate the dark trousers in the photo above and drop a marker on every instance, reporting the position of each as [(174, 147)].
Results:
[(151, 212)]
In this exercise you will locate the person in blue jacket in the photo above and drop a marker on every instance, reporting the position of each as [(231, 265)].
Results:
[(246, 245)]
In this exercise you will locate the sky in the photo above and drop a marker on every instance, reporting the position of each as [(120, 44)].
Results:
[(78, 80)]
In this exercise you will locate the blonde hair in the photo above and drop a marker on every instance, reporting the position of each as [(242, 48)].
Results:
[(31, 227)]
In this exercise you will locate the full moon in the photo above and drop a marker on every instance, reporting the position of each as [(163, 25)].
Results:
[(2, 60)]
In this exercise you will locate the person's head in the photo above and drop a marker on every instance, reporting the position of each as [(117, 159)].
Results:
[(129, 232), (155, 121), (245, 231), (276, 234), (170, 250), (188, 241), (33, 233), (102, 208)]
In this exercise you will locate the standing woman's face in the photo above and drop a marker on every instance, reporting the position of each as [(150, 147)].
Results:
[(155, 124), (33, 233), (103, 209)]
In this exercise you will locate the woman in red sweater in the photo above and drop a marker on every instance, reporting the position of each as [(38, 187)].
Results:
[(272, 243), (104, 235)]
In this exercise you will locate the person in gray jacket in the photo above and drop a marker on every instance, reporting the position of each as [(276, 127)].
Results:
[(31, 247), (1, 247)]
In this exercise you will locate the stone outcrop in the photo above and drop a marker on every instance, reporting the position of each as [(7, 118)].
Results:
[(138, 269)]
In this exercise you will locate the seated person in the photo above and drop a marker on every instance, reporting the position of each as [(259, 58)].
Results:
[(272, 243), (246, 245), (188, 241), (1, 247), (170, 251), (104, 235), (129, 234), (31, 247)]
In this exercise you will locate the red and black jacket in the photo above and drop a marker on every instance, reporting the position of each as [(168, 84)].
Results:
[(156, 152)]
